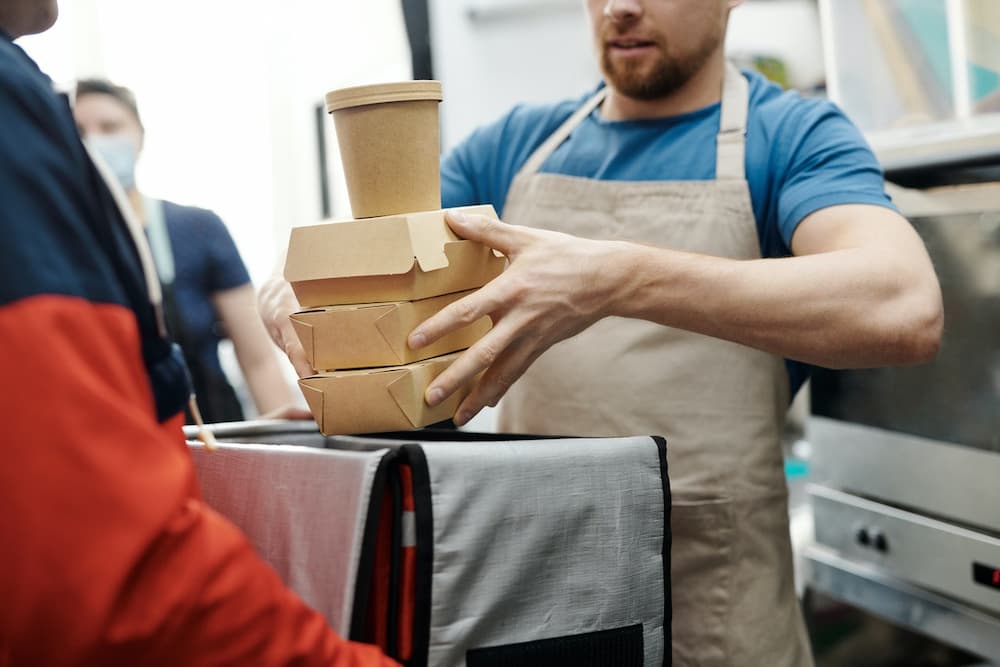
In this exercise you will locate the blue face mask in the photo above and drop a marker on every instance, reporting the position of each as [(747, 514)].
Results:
[(118, 151)]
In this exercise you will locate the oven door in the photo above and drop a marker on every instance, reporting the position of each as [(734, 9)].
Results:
[(933, 436), (905, 465)]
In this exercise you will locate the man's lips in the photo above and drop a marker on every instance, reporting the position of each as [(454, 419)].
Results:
[(627, 45)]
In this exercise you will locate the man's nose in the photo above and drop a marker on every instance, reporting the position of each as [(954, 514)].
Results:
[(622, 11)]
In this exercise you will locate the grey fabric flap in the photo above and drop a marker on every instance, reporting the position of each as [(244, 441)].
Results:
[(303, 509), (537, 540)]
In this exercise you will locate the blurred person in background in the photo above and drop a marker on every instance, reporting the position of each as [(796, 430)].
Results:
[(206, 288), (108, 554)]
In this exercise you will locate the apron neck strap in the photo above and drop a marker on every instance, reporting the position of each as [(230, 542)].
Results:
[(555, 140), (730, 157), (730, 142)]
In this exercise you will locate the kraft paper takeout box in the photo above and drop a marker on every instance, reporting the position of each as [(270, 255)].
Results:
[(366, 335), (378, 399), (389, 145), (401, 257)]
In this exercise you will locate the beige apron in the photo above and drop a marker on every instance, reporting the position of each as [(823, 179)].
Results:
[(719, 404)]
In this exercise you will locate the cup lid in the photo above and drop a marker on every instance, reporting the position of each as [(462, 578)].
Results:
[(401, 91)]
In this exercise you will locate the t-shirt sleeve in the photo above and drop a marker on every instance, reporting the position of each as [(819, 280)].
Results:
[(826, 162), (468, 172), (227, 269), (43, 201)]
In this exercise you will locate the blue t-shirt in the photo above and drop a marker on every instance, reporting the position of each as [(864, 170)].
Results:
[(206, 261), (802, 155)]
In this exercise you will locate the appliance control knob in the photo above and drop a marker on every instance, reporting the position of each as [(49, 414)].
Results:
[(863, 537), (880, 541)]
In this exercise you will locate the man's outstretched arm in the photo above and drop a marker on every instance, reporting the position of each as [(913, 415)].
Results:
[(861, 291)]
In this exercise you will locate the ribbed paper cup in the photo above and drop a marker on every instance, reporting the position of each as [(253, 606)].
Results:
[(390, 146)]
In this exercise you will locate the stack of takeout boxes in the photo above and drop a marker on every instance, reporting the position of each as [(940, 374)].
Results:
[(364, 284)]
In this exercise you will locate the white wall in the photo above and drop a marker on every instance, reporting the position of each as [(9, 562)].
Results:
[(512, 51), (788, 29), (227, 91)]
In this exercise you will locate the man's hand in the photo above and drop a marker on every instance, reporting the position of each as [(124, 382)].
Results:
[(555, 287), (276, 302)]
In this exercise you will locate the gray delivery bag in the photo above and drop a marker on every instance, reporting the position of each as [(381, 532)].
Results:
[(451, 549)]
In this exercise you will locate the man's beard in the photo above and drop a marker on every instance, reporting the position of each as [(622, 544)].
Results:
[(666, 76)]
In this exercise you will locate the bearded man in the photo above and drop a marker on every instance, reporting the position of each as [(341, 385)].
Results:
[(693, 238)]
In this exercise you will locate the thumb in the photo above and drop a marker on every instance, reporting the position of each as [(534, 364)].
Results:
[(486, 230), (297, 355), (288, 412)]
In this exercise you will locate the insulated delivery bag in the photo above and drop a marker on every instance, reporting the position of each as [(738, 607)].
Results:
[(451, 549)]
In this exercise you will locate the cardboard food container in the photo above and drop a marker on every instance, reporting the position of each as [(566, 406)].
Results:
[(401, 257), (378, 399), (389, 146), (366, 335)]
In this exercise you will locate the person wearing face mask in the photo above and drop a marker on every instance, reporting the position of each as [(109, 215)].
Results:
[(685, 240), (207, 290)]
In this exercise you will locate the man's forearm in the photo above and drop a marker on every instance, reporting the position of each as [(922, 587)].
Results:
[(853, 307)]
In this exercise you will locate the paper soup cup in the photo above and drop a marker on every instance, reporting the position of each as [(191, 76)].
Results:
[(389, 146)]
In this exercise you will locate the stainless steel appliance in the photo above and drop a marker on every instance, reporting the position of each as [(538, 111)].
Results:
[(906, 461)]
